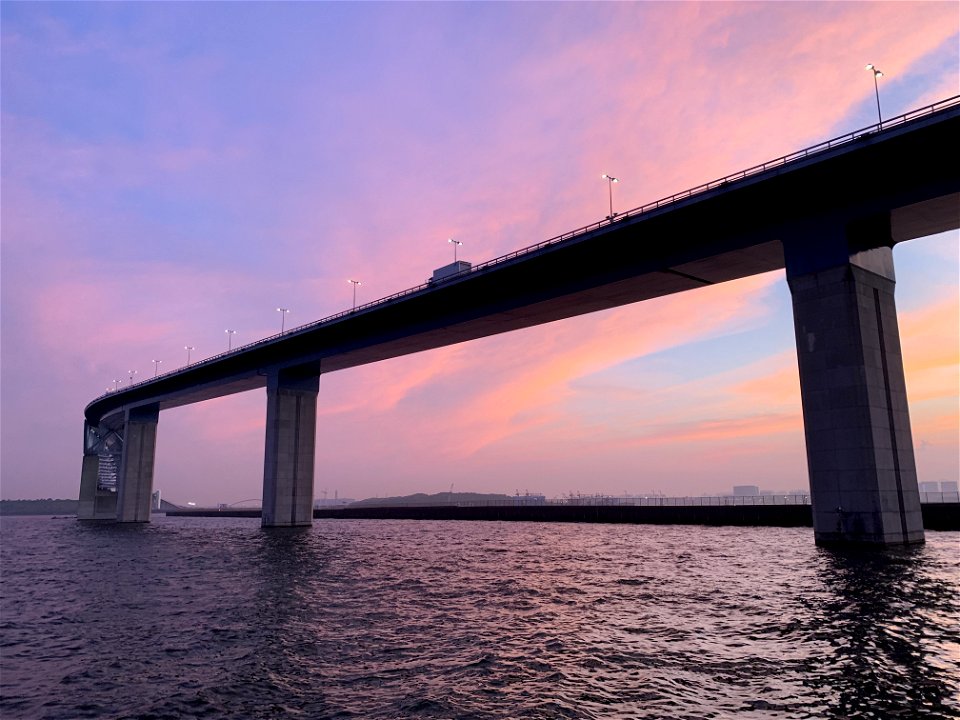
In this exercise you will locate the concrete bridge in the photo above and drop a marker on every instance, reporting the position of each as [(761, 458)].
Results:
[(829, 215)]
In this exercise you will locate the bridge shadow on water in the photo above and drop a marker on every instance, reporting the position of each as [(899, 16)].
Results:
[(881, 607)]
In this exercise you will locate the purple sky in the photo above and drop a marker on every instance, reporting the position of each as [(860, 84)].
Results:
[(171, 170)]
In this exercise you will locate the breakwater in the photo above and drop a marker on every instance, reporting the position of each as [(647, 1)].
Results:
[(936, 516)]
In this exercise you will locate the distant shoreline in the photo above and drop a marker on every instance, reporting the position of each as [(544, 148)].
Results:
[(47, 506)]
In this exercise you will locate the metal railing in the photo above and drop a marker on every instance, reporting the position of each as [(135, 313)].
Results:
[(938, 498), (926, 498), (669, 200), (609, 501), (694, 501)]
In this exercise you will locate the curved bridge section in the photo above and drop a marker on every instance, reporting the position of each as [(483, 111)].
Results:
[(828, 215)]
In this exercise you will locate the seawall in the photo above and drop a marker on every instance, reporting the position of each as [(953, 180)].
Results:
[(936, 516)]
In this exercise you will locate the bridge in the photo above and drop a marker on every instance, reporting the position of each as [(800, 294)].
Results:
[(829, 215)]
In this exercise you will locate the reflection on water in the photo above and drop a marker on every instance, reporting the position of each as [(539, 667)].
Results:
[(394, 619), (896, 642)]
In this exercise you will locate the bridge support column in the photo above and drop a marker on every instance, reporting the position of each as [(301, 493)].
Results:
[(135, 479), (863, 478), (97, 502), (290, 448), (89, 475)]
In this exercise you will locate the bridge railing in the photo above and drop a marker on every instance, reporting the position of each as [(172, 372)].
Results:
[(668, 200)]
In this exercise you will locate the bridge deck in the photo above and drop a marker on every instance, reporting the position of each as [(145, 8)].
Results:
[(896, 182)]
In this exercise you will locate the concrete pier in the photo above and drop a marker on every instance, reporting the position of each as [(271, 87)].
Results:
[(89, 475), (863, 478), (96, 503), (288, 461), (135, 480)]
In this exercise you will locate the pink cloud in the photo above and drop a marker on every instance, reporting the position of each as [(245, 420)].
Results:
[(519, 382), (664, 95), (738, 429), (929, 341), (776, 383)]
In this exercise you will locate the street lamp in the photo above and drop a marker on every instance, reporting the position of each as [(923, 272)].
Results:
[(354, 283), (131, 373), (283, 318), (610, 181), (189, 349), (156, 367), (876, 89), (116, 384), (230, 334), (456, 244)]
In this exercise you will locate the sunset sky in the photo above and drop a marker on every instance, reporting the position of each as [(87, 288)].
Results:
[(171, 170)]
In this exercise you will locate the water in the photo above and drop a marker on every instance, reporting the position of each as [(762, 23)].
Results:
[(216, 618)]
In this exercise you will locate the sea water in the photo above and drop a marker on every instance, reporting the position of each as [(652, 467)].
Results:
[(218, 618)]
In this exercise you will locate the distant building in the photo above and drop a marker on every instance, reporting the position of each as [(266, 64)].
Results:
[(930, 487), (746, 490), (949, 486)]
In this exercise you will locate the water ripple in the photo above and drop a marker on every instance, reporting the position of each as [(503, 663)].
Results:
[(401, 619)]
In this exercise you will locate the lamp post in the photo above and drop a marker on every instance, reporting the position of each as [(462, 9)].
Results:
[(283, 318), (610, 181), (116, 384), (456, 244), (876, 89), (156, 367), (189, 349), (230, 334), (131, 373), (354, 283)]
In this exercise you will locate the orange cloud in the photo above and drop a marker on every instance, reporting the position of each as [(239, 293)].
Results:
[(710, 431), (561, 353), (776, 383), (930, 342)]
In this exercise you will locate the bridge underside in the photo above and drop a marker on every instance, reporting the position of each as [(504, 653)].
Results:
[(831, 225)]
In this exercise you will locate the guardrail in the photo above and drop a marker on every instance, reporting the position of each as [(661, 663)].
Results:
[(928, 498), (779, 162), (936, 498), (694, 501)]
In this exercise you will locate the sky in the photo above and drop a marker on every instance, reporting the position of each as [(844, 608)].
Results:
[(174, 170)]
